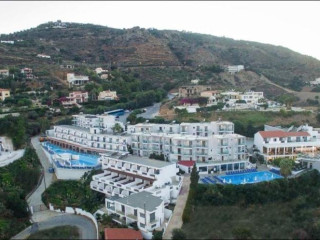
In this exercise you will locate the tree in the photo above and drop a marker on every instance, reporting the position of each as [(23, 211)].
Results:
[(117, 128), (178, 234), (194, 178), (241, 233), (286, 167)]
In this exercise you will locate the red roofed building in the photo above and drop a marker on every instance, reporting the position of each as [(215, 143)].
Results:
[(185, 165), (122, 233), (285, 144)]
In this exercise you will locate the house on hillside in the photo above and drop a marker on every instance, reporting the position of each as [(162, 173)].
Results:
[(235, 69), (43, 56), (193, 90), (76, 80), (4, 73), (4, 93), (315, 82), (107, 95), (27, 73), (74, 98)]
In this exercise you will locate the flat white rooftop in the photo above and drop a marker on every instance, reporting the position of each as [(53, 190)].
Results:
[(143, 161)]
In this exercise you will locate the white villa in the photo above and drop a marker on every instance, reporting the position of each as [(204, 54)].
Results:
[(76, 79), (75, 98), (276, 142), (143, 208)]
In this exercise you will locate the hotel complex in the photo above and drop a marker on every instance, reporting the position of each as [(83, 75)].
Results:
[(138, 188)]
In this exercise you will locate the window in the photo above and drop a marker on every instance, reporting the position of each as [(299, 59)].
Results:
[(142, 215), (152, 216), (142, 225)]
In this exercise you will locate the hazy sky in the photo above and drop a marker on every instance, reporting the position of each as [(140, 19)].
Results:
[(290, 24)]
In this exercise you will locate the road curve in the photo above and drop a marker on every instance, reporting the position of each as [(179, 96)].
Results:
[(85, 225)]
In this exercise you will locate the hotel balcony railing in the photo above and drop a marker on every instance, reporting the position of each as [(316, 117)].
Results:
[(187, 146), (201, 146), (132, 216)]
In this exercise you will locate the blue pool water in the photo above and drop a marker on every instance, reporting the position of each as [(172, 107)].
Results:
[(85, 160), (252, 177)]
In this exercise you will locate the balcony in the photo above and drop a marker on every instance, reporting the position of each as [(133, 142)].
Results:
[(131, 216)]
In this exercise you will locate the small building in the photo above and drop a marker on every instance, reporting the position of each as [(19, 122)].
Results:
[(122, 234), (7, 42), (28, 73), (212, 96), (4, 73), (235, 68), (43, 56), (315, 82), (107, 95), (76, 80), (4, 93), (100, 71), (67, 66), (195, 81), (185, 166), (104, 76)]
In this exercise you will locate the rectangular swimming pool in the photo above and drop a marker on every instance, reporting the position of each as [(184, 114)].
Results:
[(251, 177), (85, 160)]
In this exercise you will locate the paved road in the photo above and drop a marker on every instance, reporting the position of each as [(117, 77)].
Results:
[(176, 219), (35, 198), (153, 111), (85, 225)]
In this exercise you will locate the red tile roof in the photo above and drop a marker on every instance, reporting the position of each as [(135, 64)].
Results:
[(270, 134), (186, 163), (122, 233)]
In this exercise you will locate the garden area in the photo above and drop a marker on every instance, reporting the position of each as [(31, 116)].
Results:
[(16, 181), (74, 193), (279, 209)]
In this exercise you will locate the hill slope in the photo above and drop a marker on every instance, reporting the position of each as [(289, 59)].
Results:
[(145, 48)]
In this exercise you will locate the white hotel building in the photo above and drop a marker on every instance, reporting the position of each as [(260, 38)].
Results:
[(131, 174), (286, 143), (213, 145), (137, 189), (90, 134)]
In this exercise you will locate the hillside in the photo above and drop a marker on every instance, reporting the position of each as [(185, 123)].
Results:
[(154, 55)]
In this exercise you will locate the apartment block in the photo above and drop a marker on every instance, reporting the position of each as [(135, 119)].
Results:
[(131, 174), (90, 134)]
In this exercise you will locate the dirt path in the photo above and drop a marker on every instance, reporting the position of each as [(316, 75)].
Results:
[(274, 84), (176, 219)]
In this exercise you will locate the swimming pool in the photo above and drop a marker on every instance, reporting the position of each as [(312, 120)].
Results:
[(84, 160), (251, 177)]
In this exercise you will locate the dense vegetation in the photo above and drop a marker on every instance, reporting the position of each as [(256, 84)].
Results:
[(73, 193), (297, 200), (20, 128), (16, 181)]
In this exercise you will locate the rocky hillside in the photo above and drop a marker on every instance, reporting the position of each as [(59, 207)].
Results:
[(167, 53)]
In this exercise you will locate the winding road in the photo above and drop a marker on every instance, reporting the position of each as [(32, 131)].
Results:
[(86, 227)]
